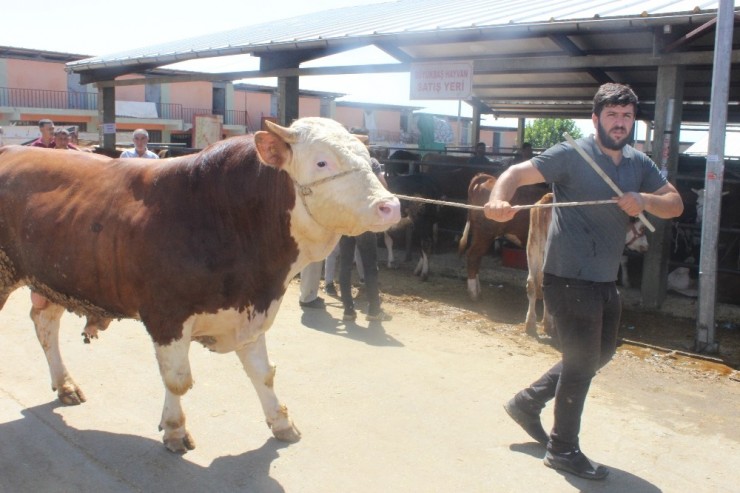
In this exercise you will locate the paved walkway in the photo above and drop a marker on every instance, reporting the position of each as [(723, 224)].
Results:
[(409, 406)]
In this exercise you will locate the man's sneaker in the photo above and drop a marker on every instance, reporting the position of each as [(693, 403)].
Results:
[(529, 422), (350, 315), (381, 316), (330, 289), (316, 303), (575, 462)]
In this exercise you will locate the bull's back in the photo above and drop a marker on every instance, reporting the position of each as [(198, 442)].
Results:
[(63, 215)]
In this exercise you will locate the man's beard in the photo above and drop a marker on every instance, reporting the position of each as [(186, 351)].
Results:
[(610, 143)]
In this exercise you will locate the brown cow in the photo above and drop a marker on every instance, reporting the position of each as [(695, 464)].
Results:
[(199, 247), (539, 225), (485, 231)]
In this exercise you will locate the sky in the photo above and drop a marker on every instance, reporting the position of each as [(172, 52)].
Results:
[(84, 27)]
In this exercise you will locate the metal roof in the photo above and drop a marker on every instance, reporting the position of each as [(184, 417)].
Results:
[(533, 58)]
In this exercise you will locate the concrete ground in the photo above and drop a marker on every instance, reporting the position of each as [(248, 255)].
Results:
[(411, 405)]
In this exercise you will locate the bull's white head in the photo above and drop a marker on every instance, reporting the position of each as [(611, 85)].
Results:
[(636, 239), (330, 167)]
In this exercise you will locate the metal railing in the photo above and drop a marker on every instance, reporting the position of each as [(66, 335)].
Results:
[(40, 98), (68, 100)]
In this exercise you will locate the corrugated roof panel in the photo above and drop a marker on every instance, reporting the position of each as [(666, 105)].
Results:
[(403, 16)]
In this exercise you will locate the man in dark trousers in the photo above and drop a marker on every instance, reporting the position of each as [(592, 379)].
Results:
[(582, 257)]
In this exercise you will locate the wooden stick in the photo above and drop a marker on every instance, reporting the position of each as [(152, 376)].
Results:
[(530, 206), (565, 204), (604, 176)]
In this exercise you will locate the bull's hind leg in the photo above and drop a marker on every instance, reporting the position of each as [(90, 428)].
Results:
[(174, 366), (46, 317), (262, 374)]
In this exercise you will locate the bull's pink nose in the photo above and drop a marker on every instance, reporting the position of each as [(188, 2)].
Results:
[(389, 210)]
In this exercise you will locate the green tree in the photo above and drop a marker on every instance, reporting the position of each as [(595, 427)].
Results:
[(546, 132)]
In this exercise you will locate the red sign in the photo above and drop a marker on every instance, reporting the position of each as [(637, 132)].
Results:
[(444, 80)]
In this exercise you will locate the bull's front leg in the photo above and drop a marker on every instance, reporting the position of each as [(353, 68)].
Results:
[(174, 366), (46, 316), (262, 374), (473, 258)]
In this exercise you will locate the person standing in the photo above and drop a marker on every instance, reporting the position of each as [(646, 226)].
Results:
[(311, 279), (367, 244), (526, 153), (141, 139), (581, 263), (46, 127), (309, 288), (62, 139), (480, 155)]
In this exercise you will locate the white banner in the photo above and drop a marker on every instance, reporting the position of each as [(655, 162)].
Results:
[(442, 80)]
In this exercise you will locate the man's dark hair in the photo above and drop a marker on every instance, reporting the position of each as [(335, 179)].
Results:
[(612, 94), (45, 121), (526, 145)]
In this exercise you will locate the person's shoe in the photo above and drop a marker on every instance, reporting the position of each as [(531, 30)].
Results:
[(330, 289), (529, 422), (316, 303), (381, 316), (350, 315), (575, 462)]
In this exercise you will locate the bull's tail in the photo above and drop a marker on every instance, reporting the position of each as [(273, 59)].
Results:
[(463, 244)]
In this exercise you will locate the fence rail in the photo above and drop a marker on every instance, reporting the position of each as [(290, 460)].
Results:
[(70, 100)]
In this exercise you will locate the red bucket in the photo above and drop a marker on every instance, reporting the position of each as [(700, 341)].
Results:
[(515, 258)]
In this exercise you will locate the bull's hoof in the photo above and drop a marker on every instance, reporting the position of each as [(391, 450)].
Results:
[(290, 434), (71, 396), (531, 331), (179, 445)]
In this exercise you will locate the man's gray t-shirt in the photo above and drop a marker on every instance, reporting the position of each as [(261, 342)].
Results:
[(586, 242)]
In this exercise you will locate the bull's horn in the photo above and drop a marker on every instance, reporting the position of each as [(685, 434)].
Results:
[(286, 134)]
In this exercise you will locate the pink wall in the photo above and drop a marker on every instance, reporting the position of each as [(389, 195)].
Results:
[(257, 105), (130, 93), (349, 116), (389, 121), (191, 94), (28, 74), (309, 107)]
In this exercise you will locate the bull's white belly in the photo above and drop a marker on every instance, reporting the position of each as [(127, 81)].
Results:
[(229, 330)]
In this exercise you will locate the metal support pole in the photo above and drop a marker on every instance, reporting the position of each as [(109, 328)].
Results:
[(287, 100), (107, 117), (705, 330)]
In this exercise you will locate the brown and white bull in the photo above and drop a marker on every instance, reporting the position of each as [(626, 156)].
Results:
[(485, 231), (199, 247), (539, 227)]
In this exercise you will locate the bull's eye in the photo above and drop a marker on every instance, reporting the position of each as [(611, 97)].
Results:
[(321, 164)]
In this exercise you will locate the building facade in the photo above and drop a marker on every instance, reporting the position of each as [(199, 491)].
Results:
[(34, 84)]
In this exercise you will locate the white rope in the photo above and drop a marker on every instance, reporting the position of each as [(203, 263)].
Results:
[(517, 207)]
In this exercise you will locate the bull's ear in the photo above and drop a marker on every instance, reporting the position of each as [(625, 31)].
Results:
[(272, 150), (362, 138)]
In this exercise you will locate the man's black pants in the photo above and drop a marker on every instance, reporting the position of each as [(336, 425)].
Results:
[(586, 316)]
